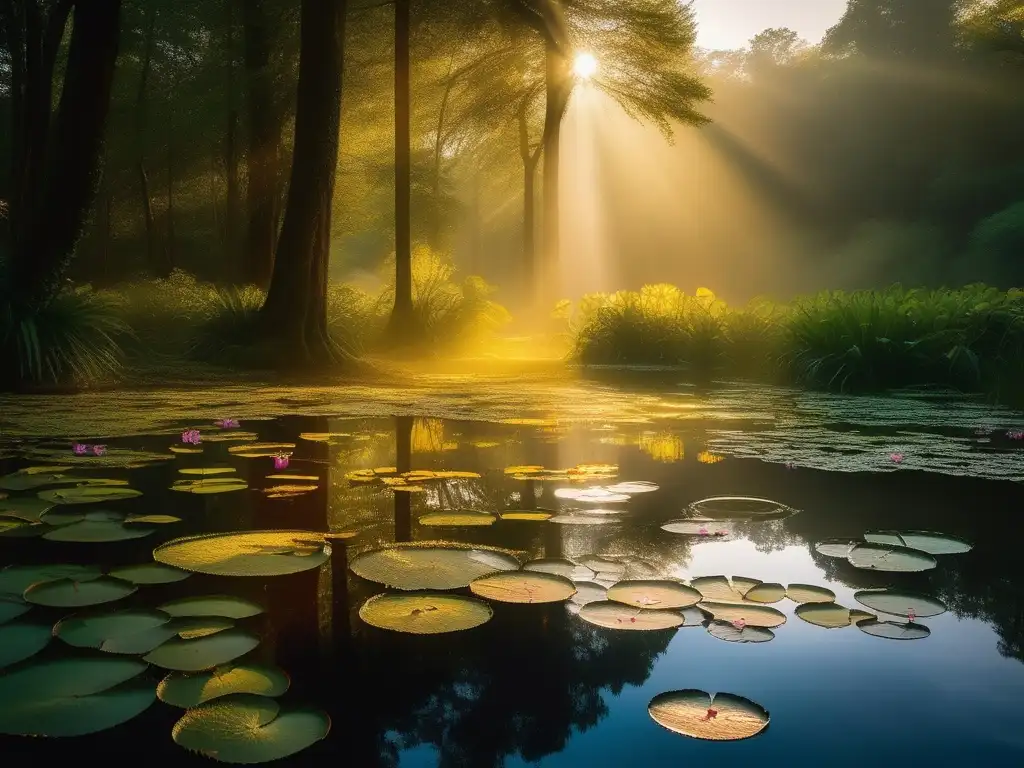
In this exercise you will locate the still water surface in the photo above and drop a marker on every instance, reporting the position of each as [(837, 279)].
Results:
[(537, 685)]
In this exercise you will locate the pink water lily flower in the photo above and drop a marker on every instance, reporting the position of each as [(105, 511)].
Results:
[(99, 450), (740, 624), (911, 615), (227, 423), (281, 461), (702, 531), (1015, 434), (897, 458), (80, 449), (191, 436)]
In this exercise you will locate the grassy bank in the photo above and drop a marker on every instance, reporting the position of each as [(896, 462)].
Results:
[(970, 339)]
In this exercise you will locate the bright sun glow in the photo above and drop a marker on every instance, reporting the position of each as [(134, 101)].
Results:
[(584, 66)]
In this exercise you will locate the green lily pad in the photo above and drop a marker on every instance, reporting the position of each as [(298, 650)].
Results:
[(152, 519), (62, 516), (72, 697), (195, 655), (897, 602), (113, 458), (88, 494), (185, 690), (766, 593), (830, 615), (889, 558), (210, 485), (560, 567), (523, 587), (654, 594), (458, 519), (894, 630), (67, 593), (605, 567), (15, 579), (25, 531), (27, 508), (425, 613), (92, 630), (808, 593), (149, 573), (925, 541), (245, 728), (207, 471), (836, 547), (700, 526), (739, 508), (227, 606), (12, 607), (724, 717), (752, 614), (97, 531), (612, 615), (31, 478), (729, 632), (431, 565), (148, 640), (525, 515), (252, 553), (20, 640), (723, 589), (8, 524)]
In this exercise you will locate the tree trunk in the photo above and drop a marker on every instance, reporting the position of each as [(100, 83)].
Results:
[(437, 219), (263, 160), (170, 257), (556, 93), (296, 304), (230, 144), (154, 258), (529, 159), (67, 160), (401, 315)]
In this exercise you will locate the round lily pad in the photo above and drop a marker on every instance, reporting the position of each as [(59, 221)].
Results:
[(252, 553), (186, 690), (612, 615), (27, 508), (739, 633), (739, 508), (19, 529), (20, 640), (458, 519), (204, 652), (836, 547), (258, 450), (808, 593), (724, 717), (897, 602), (884, 537), (15, 579), (208, 485), (62, 516), (592, 495), (722, 588), (434, 565), (31, 478), (91, 630), (207, 471), (73, 696), (152, 519), (703, 527), (245, 728), (8, 524), (186, 449), (654, 594), (560, 567), (886, 557), (523, 587), (632, 488), (752, 614), (606, 567), (68, 593), (581, 518), (588, 592), (926, 541), (97, 531), (526, 516), (424, 613), (12, 607), (766, 593), (830, 615), (227, 606), (893, 630), (149, 573), (88, 494)]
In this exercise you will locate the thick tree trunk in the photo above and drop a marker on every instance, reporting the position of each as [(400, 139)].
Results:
[(529, 159), (556, 83), (61, 167), (296, 304), (401, 315), (154, 258), (263, 160), (231, 207)]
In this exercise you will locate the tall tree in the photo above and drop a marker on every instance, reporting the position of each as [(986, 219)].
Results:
[(56, 160), (401, 314), (295, 310)]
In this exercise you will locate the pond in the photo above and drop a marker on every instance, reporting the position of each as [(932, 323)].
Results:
[(898, 645)]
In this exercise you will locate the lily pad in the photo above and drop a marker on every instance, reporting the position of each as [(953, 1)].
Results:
[(210, 485), (721, 588), (654, 594), (808, 593), (92, 630), (592, 495), (612, 615), (205, 652), (245, 728), (433, 565), (15, 579), (724, 717), (606, 567), (252, 553), (523, 587), (560, 567), (68, 593), (751, 614), (207, 471), (12, 607), (31, 478), (20, 640), (27, 508), (112, 458), (88, 494), (925, 541), (458, 519), (147, 640), (582, 519), (424, 613), (72, 697), (836, 547), (588, 592), (703, 527), (897, 602), (98, 531), (766, 593), (526, 515), (227, 606), (185, 690), (830, 615), (894, 630), (889, 558), (152, 519), (739, 633), (186, 449), (739, 508), (149, 573), (9, 524), (632, 488)]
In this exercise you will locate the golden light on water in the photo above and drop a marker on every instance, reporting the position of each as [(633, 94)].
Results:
[(584, 66)]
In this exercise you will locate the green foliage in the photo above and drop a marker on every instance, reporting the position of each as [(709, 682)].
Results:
[(971, 339), (73, 339)]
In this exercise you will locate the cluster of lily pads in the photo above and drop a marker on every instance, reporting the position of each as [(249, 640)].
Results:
[(894, 551)]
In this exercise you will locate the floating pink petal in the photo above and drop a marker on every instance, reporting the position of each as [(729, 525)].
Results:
[(79, 449), (897, 458), (191, 436), (281, 461), (911, 616), (702, 532), (740, 623), (227, 423)]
